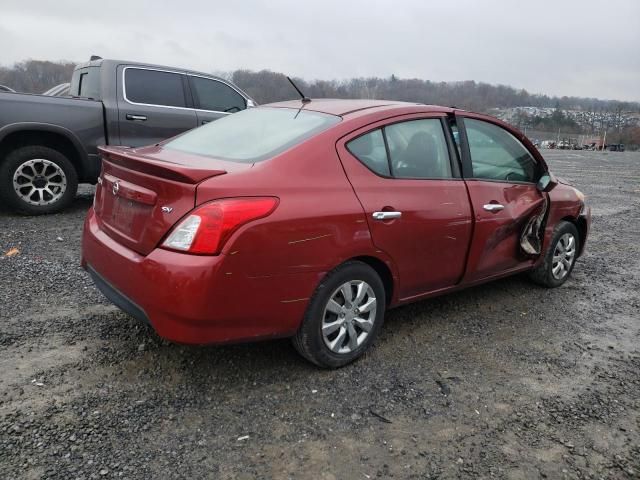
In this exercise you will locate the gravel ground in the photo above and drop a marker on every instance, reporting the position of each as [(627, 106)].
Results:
[(506, 380)]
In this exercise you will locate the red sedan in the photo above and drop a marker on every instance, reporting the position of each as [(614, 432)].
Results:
[(311, 220)]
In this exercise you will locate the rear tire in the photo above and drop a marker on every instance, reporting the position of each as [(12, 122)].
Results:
[(560, 258), (36, 180), (344, 316)]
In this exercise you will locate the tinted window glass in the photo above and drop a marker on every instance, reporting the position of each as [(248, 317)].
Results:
[(154, 87), (86, 83), (456, 136), (498, 155), (418, 149), (370, 150), (254, 134), (213, 95)]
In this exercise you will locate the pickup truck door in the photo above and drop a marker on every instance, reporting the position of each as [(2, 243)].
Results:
[(414, 200), (153, 105), (501, 176), (214, 99)]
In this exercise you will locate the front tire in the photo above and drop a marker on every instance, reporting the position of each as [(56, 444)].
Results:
[(560, 257), (36, 180), (344, 316)]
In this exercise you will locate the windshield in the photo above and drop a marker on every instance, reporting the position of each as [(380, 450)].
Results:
[(254, 134)]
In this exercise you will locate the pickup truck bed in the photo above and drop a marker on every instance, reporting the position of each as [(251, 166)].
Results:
[(50, 144), (79, 120)]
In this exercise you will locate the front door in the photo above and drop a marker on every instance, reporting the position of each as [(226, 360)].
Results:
[(416, 204), (214, 99), (501, 177)]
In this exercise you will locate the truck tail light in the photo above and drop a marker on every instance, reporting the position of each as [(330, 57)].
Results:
[(207, 228)]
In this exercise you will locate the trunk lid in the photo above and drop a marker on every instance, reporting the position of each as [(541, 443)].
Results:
[(143, 192)]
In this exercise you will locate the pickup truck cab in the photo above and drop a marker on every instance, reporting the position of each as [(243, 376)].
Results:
[(50, 144)]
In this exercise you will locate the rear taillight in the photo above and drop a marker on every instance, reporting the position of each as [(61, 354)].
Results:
[(206, 229)]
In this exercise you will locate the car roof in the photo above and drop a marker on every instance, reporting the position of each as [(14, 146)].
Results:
[(343, 107), (114, 62)]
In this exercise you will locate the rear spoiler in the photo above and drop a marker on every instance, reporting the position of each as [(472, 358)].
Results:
[(125, 157)]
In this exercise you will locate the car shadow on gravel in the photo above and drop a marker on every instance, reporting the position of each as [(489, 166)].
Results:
[(428, 319), (79, 205)]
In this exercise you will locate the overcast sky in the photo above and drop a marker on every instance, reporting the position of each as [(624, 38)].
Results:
[(561, 47)]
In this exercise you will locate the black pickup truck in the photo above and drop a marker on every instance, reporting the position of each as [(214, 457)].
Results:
[(49, 144)]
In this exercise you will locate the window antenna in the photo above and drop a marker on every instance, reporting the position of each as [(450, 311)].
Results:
[(304, 99)]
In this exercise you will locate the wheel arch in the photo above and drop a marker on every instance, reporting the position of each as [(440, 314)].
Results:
[(46, 135), (581, 225), (384, 272)]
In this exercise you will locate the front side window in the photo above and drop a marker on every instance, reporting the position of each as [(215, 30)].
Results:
[(254, 134), (414, 149), (213, 95), (154, 87), (498, 155)]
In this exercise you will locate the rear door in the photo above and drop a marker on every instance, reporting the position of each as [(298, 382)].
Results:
[(214, 99), (153, 105), (501, 176), (415, 201)]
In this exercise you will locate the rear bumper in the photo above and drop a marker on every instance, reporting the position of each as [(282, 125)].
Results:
[(195, 299), (116, 297)]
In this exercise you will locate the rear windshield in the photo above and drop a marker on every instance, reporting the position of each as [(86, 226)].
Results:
[(254, 134)]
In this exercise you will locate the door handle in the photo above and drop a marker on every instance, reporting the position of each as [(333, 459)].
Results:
[(493, 207), (204, 122), (140, 118), (386, 215)]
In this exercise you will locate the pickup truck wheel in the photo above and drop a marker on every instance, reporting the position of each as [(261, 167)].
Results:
[(344, 316), (37, 180)]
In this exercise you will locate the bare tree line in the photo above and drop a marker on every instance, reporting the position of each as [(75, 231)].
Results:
[(35, 76), (267, 86)]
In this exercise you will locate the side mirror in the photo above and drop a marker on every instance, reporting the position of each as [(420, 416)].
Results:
[(547, 182), (251, 103)]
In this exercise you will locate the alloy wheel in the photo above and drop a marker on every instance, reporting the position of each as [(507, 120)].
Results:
[(39, 182)]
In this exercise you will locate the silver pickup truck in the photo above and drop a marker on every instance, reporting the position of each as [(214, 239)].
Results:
[(49, 144)]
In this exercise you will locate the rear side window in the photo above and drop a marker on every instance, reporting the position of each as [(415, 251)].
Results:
[(498, 155), (154, 87), (370, 150), (418, 149), (254, 134), (85, 82), (414, 149), (213, 95)]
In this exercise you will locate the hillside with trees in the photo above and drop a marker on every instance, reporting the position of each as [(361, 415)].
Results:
[(35, 76), (267, 86)]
